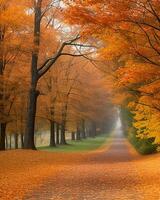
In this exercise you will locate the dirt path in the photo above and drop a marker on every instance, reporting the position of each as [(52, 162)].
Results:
[(117, 173)]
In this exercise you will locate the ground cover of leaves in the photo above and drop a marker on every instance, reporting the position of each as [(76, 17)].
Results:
[(117, 172)]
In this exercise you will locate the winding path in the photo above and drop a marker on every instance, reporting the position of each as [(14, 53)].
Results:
[(114, 173)]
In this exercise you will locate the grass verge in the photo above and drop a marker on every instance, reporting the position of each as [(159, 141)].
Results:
[(83, 145)]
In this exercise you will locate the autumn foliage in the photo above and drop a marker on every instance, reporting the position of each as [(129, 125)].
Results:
[(70, 64), (46, 80), (129, 36)]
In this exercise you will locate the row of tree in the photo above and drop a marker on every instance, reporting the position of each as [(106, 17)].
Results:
[(45, 80), (129, 35)]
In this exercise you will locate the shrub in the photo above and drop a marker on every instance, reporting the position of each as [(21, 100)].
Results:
[(143, 146)]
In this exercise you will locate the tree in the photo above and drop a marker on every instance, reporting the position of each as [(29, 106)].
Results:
[(37, 69), (11, 26), (134, 21), (130, 51)]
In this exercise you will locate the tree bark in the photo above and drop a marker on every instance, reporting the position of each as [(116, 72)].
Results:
[(78, 134), (93, 129), (10, 141), (2, 136), (63, 136), (52, 134), (2, 66), (83, 129), (57, 133), (73, 136), (6, 141), (2, 124), (33, 93), (89, 132), (29, 135), (22, 141), (16, 140)]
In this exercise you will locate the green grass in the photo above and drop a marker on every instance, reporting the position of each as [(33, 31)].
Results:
[(84, 145)]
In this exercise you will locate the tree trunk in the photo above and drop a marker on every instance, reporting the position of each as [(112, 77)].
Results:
[(63, 137), (73, 136), (2, 124), (10, 141), (29, 135), (89, 132), (2, 136), (78, 134), (83, 129), (93, 129), (33, 93), (52, 134), (2, 67), (22, 141), (6, 141), (57, 133), (16, 140)]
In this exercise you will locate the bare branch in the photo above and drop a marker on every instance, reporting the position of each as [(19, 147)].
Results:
[(50, 61)]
